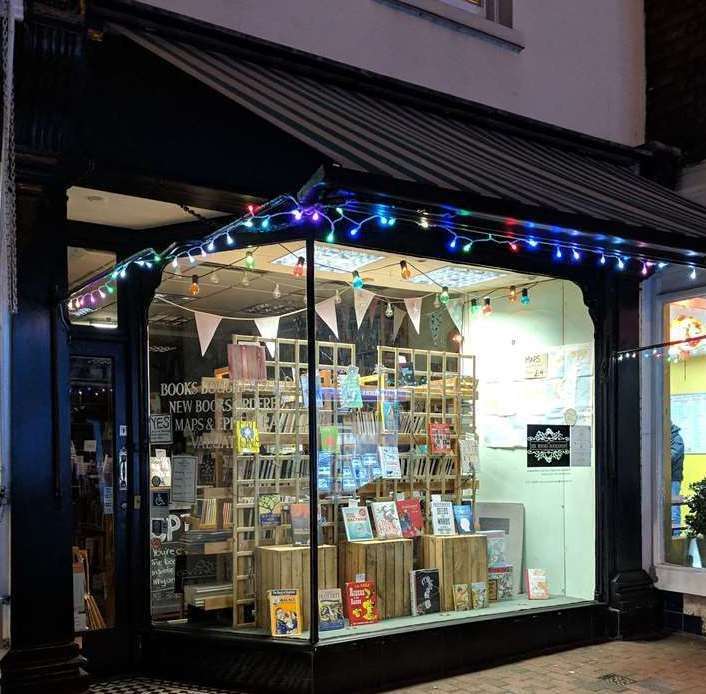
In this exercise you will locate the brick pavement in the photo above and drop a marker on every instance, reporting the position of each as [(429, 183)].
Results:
[(673, 664)]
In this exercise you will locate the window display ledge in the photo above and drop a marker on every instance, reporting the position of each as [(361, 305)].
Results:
[(681, 579)]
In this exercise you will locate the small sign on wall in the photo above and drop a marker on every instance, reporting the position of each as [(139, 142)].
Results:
[(548, 445), (160, 428)]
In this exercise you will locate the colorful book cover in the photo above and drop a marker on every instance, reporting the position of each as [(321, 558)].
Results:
[(442, 518), (468, 453), (496, 546), (463, 513), (407, 375), (361, 603), (390, 416), (360, 471), (503, 574), (411, 518), (285, 612), (462, 597), (324, 472), (424, 586), (440, 438), (347, 478), (349, 395), (371, 462), (492, 589), (357, 523), (390, 461), (537, 585), (330, 609), (387, 522), (269, 508), (479, 595), (247, 437), (329, 439), (301, 526)]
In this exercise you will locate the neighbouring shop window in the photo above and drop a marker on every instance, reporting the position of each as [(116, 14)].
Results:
[(499, 11), (683, 481), (97, 307), (455, 459)]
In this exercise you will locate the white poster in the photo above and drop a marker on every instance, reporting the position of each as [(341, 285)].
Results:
[(581, 446)]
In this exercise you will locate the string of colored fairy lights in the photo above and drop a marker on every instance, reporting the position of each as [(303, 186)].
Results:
[(673, 350)]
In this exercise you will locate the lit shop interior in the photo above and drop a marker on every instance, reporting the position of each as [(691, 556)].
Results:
[(454, 458)]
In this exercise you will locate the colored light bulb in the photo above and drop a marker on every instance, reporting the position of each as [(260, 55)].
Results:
[(337, 297), (388, 310), (357, 282), (513, 294), (524, 298), (444, 296), (475, 308), (487, 308), (405, 272), (298, 270), (276, 292), (249, 260), (195, 289)]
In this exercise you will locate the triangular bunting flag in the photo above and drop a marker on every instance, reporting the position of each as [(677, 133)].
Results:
[(414, 308), (361, 301), (268, 327), (206, 326), (327, 312), (397, 319), (455, 309)]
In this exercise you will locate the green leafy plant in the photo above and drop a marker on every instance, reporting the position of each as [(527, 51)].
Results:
[(696, 517)]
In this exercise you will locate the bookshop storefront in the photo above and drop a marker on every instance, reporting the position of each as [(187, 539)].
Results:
[(369, 428)]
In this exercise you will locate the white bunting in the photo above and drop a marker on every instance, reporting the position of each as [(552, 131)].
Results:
[(414, 308), (455, 309), (327, 312), (361, 301), (397, 319), (206, 326), (268, 327)]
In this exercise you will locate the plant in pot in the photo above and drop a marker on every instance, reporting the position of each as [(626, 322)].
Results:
[(696, 521)]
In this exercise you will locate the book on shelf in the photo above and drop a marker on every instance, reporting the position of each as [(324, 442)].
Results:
[(411, 518), (390, 461), (357, 523), (462, 597), (468, 454), (301, 525), (503, 575), (387, 522), (227, 514), (463, 513), (440, 438), (537, 585), (329, 438), (247, 436), (285, 612), (361, 603), (330, 609), (479, 594), (247, 362), (269, 509), (360, 471), (442, 518), (424, 587), (371, 463)]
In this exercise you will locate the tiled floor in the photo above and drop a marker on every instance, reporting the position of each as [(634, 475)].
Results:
[(674, 664)]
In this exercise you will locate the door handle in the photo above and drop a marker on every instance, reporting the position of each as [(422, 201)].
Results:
[(122, 469)]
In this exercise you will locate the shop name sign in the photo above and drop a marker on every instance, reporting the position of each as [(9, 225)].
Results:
[(548, 445)]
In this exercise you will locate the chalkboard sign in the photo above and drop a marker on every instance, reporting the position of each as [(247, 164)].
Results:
[(163, 560)]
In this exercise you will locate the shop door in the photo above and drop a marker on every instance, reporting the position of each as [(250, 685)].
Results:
[(100, 464)]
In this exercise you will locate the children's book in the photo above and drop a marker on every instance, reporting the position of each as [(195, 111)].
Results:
[(246, 362), (439, 438), (390, 461), (463, 513), (462, 597), (387, 522), (300, 514), (361, 603), (479, 595), (442, 518), (349, 395), (537, 586), (503, 575), (269, 508), (324, 472), (285, 612), (357, 523), (424, 586), (411, 518), (247, 437), (329, 439), (330, 609)]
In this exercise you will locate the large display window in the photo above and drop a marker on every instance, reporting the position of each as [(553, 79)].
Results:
[(449, 474)]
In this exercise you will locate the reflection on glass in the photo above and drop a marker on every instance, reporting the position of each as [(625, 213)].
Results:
[(92, 465), (97, 307), (684, 468)]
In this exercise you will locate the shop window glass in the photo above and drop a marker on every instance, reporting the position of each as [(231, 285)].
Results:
[(684, 443), (97, 306), (429, 504)]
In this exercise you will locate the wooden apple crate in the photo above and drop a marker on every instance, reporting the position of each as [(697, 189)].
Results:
[(287, 566), (387, 563), (459, 558)]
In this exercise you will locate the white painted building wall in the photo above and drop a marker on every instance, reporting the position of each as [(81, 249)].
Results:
[(582, 65)]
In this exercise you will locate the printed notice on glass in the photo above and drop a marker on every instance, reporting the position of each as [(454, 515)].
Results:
[(160, 428), (184, 479), (580, 446)]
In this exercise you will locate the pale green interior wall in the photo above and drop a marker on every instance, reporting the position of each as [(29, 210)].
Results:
[(559, 516)]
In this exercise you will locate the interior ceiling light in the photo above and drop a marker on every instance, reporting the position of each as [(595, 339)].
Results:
[(331, 259), (455, 277)]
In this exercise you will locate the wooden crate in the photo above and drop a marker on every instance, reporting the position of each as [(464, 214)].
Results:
[(388, 563), (459, 558), (287, 566)]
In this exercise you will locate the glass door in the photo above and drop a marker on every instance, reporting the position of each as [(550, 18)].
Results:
[(100, 483)]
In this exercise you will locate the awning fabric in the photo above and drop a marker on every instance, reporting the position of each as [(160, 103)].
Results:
[(382, 136)]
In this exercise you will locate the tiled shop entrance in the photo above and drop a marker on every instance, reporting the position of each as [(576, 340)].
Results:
[(673, 664)]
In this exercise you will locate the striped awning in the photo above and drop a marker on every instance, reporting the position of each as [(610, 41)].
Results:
[(370, 133)]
